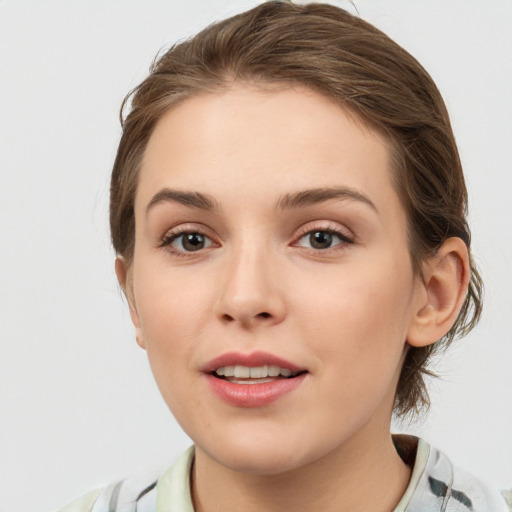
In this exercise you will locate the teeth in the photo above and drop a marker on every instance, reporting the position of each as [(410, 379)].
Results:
[(259, 372), (273, 371), (250, 381), (242, 372), (256, 372)]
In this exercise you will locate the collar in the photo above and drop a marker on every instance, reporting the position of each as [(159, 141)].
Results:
[(435, 485)]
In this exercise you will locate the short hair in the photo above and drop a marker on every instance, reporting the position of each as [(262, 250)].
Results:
[(343, 57)]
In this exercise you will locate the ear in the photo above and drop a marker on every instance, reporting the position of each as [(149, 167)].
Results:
[(125, 278), (444, 288)]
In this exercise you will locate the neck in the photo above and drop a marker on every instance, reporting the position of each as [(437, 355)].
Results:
[(365, 473)]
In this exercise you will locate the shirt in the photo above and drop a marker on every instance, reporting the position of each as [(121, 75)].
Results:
[(436, 485)]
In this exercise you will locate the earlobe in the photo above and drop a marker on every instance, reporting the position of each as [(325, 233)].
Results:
[(445, 283), (126, 282), (121, 272)]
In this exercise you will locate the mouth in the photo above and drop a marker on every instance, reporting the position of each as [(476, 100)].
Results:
[(252, 380), (238, 374)]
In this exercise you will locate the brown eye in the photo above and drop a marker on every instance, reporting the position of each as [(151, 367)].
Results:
[(192, 241), (323, 239), (320, 239), (188, 241)]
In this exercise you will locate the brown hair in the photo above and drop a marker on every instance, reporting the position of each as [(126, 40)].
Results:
[(347, 59)]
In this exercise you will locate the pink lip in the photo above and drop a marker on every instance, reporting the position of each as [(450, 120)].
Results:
[(252, 395), (252, 360)]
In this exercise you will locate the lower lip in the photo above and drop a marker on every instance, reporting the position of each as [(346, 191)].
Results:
[(253, 395)]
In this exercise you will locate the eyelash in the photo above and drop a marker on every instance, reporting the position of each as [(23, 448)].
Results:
[(169, 238), (309, 230), (172, 236)]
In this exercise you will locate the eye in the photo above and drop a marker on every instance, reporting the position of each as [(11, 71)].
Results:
[(322, 239), (187, 241)]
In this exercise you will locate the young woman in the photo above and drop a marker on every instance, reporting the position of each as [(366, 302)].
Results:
[(289, 214)]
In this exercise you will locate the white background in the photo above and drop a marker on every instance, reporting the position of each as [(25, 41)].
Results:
[(78, 403)]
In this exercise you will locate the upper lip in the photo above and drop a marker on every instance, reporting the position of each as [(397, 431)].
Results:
[(251, 360)]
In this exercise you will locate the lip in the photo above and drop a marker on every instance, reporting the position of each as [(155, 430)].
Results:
[(252, 360), (252, 395)]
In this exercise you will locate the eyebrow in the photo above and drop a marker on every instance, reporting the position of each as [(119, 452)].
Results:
[(190, 199), (298, 199), (319, 195)]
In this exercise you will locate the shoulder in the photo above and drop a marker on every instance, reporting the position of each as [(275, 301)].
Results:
[(137, 493), (144, 493), (466, 488), (441, 485), (82, 504), (508, 498)]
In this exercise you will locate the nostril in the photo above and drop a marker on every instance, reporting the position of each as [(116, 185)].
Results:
[(245, 319)]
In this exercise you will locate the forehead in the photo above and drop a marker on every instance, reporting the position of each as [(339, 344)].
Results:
[(285, 139)]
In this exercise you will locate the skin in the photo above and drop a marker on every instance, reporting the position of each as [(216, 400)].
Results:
[(346, 313)]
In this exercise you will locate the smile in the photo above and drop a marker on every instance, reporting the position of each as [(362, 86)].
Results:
[(253, 375), (252, 380)]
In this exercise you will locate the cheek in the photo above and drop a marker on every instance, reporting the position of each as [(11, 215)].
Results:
[(358, 337), (170, 324), (362, 314), (172, 315), (166, 303)]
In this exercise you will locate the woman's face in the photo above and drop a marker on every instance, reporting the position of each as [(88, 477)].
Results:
[(269, 239)]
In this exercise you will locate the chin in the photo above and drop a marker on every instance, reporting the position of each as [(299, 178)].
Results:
[(256, 461), (262, 453)]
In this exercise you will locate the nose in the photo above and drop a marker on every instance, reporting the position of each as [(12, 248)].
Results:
[(250, 290)]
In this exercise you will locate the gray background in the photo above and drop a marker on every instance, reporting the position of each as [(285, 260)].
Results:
[(78, 403)]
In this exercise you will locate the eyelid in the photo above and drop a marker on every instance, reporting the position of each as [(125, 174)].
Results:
[(331, 227), (345, 234), (175, 232)]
